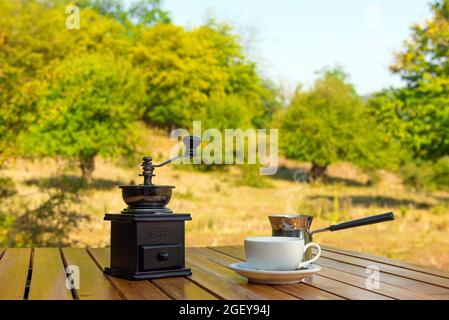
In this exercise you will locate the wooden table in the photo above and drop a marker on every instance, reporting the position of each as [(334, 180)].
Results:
[(39, 273)]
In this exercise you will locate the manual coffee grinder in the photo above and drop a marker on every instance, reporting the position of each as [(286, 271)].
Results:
[(147, 238)]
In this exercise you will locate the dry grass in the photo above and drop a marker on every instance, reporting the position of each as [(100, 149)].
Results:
[(224, 213)]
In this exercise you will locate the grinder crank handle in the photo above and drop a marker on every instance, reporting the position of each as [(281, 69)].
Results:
[(359, 222), (191, 143)]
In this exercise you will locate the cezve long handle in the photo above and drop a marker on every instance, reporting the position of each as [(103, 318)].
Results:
[(359, 222)]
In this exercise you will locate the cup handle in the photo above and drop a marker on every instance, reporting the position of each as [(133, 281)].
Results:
[(307, 246)]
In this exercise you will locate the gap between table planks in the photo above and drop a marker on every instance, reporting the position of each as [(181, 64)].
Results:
[(407, 286)]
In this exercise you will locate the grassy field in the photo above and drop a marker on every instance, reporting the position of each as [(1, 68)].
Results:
[(225, 212)]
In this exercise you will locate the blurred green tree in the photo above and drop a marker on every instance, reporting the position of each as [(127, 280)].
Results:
[(32, 37), (148, 12), (181, 73), (418, 114), (140, 12), (184, 69), (90, 107), (330, 123)]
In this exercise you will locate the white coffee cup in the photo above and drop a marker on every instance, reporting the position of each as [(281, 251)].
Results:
[(278, 253)]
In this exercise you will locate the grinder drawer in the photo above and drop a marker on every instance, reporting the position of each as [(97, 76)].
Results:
[(154, 257)]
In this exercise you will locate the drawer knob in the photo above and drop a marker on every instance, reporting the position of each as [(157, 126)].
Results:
[(162, 256)]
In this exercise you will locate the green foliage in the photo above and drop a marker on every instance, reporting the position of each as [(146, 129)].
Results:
[(180, 71), (148, 12), (424, 58), (71, 93), (109, 8), (184, 69), (427, 175), (418, 115), (140, 12), (250, 176), (270, 104), (222, 113), (89, 108), (258, 95), (330, 123), (415, 176), (32, 37), (441, 174)]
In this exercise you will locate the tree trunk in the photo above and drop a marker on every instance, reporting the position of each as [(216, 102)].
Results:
[(317, 172), (87, 165)]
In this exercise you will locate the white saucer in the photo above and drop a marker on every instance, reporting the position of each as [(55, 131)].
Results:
[(274, 277)]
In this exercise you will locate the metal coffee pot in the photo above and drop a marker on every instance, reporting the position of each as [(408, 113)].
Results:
[(293, 225)]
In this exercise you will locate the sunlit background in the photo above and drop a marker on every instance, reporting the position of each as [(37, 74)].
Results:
[(357, 89)]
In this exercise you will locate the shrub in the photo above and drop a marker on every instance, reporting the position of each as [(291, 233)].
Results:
[(250, 176), (415, 176), (440, 176), (427, 175)]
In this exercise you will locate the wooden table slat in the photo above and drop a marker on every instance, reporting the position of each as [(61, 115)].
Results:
[(128, 289), (385, 260), (386, 268), (339, 274), (307, 292), (410, 286), (181, 288), (14, 265), (407, 287), (48, 280), (343, 276), (391, 279), (226, 283), (384, 289), (175, 288), (93, 283), (333, 286), (303, 292)]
